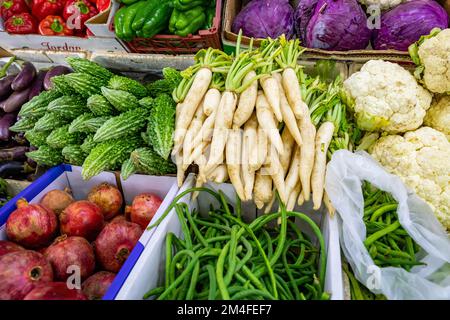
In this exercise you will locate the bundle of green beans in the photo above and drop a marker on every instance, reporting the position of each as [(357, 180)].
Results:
[(222, 257), (388, 243)]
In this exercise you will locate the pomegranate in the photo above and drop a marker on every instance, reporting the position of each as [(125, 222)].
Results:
[(8, 246), (21, 271), (31, 225), (108, 198), (95, 286), (82, 218), (115, 242), (118, 218), (57, 200), (143, 208), (55, 291), (70, 251)]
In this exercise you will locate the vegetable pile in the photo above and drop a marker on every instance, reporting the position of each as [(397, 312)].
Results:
[(222, 257), (99, 120), (245, 117), (49, 17), (342, 25), (147, 18), (46, 240)]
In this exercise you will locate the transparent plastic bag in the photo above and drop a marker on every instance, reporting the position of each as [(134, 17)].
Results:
[(345, 175)]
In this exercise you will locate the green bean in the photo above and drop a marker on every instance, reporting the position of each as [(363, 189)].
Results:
[(289, 273), (169, 238), (213, 225), (377, 235), (232, 256), (219, 273), (193, 283), (391, 252), (184, 226), (175, 201), (252, 292), (372, 198), (284, 288), (154, 292), (399, 262), (194, 228)]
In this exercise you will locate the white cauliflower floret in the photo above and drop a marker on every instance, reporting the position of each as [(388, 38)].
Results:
[(383, 4), (387, 97), (421, 159), (432, 54), (438, 116)]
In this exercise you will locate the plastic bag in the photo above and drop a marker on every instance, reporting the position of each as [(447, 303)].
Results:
[(345, 175)]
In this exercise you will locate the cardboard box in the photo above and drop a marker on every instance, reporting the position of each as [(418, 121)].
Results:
[(148, 272), (233, 7), (99, 25), (63, 176)]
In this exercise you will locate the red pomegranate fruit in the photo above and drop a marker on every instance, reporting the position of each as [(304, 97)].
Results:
[(114, 244), (143, 208), (55, 291), (31, 225), (8, 246), (70, 251), (21, 271), (108, 198), (95, 286), (57, 200), (118, 218), (83, 219)]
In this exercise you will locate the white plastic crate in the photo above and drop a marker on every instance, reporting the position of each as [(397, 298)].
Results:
[(148, 272), (63, 176)]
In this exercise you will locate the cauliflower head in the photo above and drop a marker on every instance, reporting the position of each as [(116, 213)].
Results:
[(421, 159), (383, 4), (438, 116), (432, 55), (386, 97)]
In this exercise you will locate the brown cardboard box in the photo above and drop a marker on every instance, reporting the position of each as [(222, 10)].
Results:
[(232, 8)]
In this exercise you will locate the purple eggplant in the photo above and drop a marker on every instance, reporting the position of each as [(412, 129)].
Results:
[(11, 168), (38, 84), (55, 71), (14, 153), (15, 101), (25, 77), (5, 86), (5, 122)]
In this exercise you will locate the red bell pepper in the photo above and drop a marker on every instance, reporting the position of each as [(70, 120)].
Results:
[(103, 5), (43, 8), (22, 23), (9, 8), (54, 26), (77, 12)]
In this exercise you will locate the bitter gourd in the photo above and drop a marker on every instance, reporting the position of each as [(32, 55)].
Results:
[(121, 100), (149, 162), (46, 156), (68, 107), (50, 121), (109, 155), (73, 154), (88, 144), (147, 102), (89, 67), (61, 137), (100, 106), (129, 85), (84, 84), (23, 124), (161, 125), (122, 125), (128, 168), (61, 85), (87, 123), (37, 138), (37, 106)]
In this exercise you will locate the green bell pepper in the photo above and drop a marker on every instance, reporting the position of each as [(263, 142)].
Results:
[(128, 32), (210, 14), (118, 22), (186, 5), (159, 19), (128, 2), (183, 23), (143, 15)]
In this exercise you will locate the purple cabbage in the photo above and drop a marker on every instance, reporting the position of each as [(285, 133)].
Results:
[(406, 23), (265, 18), (338, 25)]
